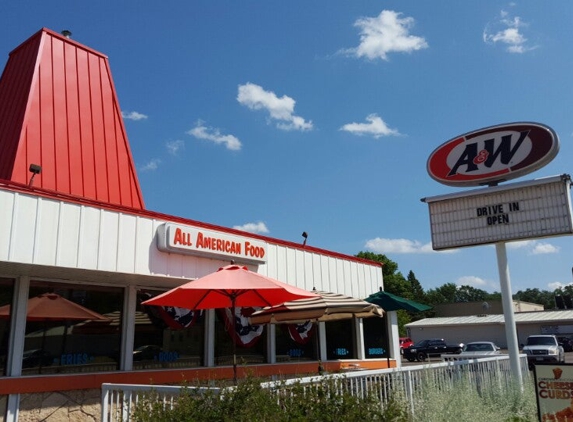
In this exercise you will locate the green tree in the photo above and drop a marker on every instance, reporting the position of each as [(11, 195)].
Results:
[(394, 281), (541, 297), (443, 294), (470, 294), (416, 288)]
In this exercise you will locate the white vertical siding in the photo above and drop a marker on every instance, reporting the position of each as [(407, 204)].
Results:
[(7, 208), (51, 232)]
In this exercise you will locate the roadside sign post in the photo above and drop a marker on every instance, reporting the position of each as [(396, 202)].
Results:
[(507, 302), (498, 214)]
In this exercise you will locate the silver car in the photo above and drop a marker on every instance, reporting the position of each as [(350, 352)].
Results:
[(480, 348)]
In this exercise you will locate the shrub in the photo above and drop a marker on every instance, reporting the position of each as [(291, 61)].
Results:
[(332, 401)]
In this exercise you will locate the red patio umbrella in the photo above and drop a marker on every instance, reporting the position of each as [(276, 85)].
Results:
[(229, 287), (53, 307)]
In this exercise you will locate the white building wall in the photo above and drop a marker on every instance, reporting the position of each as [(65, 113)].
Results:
[(51, 232)]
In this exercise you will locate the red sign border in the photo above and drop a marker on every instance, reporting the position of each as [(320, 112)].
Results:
[(542, 153)]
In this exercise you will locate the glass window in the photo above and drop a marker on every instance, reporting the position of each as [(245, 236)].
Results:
[(250, 340), (296, 342), (340, 340), (6, 293), (166, 336), (375, 338), (71, 328)]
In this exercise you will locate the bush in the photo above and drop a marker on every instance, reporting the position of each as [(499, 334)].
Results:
[(248, 401), (332, 401)]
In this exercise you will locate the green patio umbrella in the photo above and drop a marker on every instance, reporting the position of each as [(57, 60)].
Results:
[(390, 302)]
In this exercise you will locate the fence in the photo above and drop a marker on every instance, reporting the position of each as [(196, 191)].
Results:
[(118, 400)]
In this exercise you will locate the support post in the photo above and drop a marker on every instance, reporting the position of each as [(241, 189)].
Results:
[(507, 302)]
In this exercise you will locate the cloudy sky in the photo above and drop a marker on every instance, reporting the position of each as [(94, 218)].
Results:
[(283, 117)]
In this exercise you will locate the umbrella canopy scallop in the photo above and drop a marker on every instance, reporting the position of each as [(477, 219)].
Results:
[(326, 306)]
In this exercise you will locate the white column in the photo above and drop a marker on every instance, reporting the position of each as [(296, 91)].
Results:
[(18, 312), (359, 338), (209, 348), (393, 337), (128, 328), (322, 340)]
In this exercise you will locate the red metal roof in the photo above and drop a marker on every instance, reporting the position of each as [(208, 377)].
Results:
[(59, 109)]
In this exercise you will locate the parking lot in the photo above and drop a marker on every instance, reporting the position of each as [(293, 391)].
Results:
[(568, 359)]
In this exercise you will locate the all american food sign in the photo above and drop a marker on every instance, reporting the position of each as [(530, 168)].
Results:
[(493, 154), (208, 243)]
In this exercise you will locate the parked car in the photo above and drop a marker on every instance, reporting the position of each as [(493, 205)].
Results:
[(431, 348), (543, 348), (480, 348), (36, 357), (566, 342), (147, 352), (405, 342)]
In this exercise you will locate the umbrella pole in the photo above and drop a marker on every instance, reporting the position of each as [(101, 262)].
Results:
[(43, 346), (234, 341)]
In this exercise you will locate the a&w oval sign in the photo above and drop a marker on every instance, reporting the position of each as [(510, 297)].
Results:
[(493, 154)]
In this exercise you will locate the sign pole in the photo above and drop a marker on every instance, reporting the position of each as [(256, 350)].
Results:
[(507, 302)]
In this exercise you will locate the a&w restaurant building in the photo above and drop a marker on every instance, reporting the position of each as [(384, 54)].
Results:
[(79, 252)]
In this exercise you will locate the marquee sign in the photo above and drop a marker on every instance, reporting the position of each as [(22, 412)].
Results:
[(211, 244), (493, 154), (538, 208)]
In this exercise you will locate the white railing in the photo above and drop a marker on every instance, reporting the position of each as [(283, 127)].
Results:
[(119, 400)]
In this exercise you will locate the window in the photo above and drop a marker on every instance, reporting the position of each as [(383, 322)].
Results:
[(166, 336), (375, 338), (6, 293), (340, 340), (296, 342), (250, 340), (71, 328)]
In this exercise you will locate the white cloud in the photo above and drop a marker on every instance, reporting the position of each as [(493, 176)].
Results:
[(375, 127), (544, 248), (557, 285), (173, 147), (133, 115), (386, 33), (507, 31), (470, 280), (520, 244), (280, 109), (259, 227), (533, 247), (214, 135), (385, 246), (151, 165)]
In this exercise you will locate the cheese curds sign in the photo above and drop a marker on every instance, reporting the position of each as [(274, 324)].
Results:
[(493, 154), (188, 240), (554, 391)]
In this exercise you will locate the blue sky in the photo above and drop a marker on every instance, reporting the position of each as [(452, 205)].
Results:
[(282, 117)]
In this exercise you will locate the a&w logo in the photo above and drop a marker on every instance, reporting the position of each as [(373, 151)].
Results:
[(482, 154), (493, 154)]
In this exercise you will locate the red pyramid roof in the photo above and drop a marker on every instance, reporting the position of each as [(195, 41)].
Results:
[(59, 109)]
